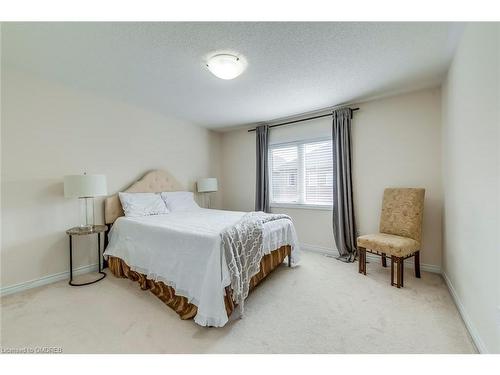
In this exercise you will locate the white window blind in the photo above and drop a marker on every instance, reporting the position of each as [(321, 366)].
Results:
[(284, 174), (301, 173)]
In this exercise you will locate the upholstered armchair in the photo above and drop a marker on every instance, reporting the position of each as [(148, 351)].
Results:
[(400, 232)]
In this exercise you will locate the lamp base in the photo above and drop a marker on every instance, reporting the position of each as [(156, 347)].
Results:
[(87, 210), (208, 200)]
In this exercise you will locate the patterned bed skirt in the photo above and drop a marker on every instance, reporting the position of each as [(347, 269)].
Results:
[(180, 304)]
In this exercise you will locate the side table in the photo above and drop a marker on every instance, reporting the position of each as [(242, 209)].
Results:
[(83, 231)]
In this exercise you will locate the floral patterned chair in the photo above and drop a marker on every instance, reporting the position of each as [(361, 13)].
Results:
[(400, 232)]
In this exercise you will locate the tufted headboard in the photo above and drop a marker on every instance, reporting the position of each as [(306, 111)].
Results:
[(154, 181)]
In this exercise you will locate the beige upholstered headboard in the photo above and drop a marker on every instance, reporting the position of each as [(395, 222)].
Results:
[(152, 182)]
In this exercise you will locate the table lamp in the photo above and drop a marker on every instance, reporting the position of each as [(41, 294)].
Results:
[(85, 187), (207, 185)]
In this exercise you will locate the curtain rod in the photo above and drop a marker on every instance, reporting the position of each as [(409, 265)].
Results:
[(303, 119)]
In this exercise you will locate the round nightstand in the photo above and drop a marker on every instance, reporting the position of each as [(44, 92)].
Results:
[(83, 231)]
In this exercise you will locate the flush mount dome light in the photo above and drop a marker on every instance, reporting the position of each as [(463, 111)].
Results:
[(226, 66)]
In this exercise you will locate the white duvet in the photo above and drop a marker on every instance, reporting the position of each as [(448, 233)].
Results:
[(183, 250)]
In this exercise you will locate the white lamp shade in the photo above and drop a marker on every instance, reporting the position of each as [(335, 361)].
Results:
[(87, 185), (207, 185)]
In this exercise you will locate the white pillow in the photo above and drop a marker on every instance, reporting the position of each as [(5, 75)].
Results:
[(179, 200), (142, 204)]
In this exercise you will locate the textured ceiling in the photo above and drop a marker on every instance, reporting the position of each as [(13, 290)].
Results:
[(292, 67)]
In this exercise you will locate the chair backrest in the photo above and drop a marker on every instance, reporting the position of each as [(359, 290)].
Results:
[(402, 212)]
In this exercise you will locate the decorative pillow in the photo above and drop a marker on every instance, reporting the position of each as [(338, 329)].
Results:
[(142, 204), (179, 201)]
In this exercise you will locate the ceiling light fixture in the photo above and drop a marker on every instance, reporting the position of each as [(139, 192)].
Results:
[(226, 66)]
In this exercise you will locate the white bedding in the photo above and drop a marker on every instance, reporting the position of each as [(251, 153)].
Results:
[(183, 250)]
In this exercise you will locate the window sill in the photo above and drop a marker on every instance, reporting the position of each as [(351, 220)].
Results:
[(302, 206)]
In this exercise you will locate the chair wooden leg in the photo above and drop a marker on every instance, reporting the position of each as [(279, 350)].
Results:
[(393, 258), (399, 271), (402, 268), (362, 260), (384, 261), (417, 264)]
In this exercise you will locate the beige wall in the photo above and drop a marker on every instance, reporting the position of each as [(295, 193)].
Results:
[(48, 131), (471, 174), (396, 142)]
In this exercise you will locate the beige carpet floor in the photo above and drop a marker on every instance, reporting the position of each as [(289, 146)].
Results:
[(322, 306)]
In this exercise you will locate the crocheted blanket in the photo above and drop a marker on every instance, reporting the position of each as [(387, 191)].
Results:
[(243, 247)]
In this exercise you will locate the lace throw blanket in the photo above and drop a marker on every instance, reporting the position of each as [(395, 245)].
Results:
[(242, 244)]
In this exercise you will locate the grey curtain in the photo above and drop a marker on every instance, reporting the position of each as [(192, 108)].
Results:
[(262, 178), (344, 227)]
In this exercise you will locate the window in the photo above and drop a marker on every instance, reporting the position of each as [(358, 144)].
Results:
[(301, 173)]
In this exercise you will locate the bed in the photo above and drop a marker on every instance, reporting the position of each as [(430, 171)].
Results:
[(178, 256)]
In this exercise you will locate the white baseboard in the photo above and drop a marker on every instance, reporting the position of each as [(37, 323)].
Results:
[(4, 291), (409, 264), (370, 257), (318, 249), (465, 316)]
